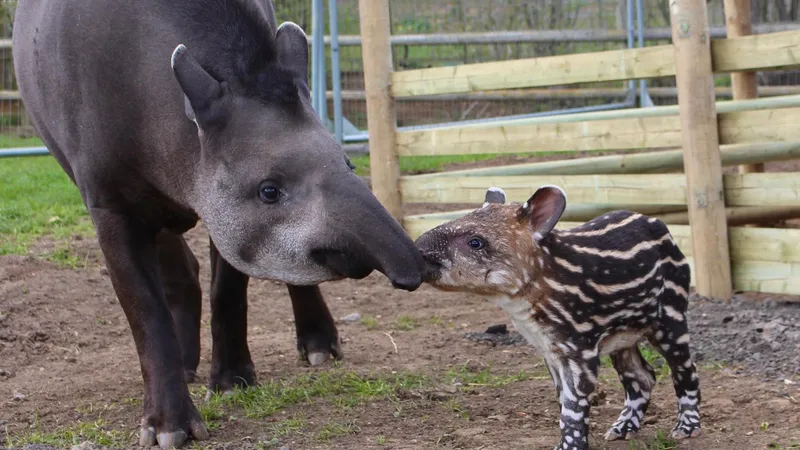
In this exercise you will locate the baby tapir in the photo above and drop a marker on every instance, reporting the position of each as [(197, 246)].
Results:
[(577, 294)]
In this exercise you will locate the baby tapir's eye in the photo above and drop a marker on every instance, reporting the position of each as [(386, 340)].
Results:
[(475, 243)]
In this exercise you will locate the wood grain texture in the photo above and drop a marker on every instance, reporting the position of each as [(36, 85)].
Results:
[(740, 127), (381, 114), (752, 189), (764, 51)]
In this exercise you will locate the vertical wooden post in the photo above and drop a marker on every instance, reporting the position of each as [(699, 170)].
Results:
[(700, 139), (743, 84), (376, 52)]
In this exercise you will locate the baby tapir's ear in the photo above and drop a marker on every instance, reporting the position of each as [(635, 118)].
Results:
[(543, 210), (494, 195)]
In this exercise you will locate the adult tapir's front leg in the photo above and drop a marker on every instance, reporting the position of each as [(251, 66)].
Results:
[(130, 252), (317, 336), (231, 364)]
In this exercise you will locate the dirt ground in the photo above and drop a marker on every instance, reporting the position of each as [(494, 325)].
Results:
[(67, 356)]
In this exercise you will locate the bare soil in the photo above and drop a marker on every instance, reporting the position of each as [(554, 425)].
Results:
[(67, 356)]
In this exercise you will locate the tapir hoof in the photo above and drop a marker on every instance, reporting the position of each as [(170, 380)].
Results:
[(319, 349), (317, 358)]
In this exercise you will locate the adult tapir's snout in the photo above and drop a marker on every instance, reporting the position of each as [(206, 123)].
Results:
[(363, 237)]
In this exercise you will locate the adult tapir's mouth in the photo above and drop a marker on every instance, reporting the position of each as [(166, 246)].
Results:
[(342, 264)]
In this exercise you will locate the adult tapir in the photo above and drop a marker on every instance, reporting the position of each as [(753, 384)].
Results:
[(168, 112)]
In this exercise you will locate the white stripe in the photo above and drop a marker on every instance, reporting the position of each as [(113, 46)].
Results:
[(576, 290), (620, 254), (602, 231), (566, 264), (579, 327), (675, 288)]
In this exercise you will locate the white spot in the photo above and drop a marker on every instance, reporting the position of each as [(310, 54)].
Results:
[(178, 50), (574, 415), (537, 236), (683, 339), (289, 23), (498, 190), (673, 313), (553, 186)]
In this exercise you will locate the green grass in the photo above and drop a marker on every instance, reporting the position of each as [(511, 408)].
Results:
[(14, 141), (38, 199), (406, 323), (98, 432), (410, 165), (370, 322), (660, 442)]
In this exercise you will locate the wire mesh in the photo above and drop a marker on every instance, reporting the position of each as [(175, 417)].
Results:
[(430, 17)]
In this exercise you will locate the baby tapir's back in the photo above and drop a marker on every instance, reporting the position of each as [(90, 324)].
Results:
[(613, 269)]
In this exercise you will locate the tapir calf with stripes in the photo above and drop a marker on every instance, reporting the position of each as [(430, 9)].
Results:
[(577, 294)]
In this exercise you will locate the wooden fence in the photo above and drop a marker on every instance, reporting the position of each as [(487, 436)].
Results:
[(743, 131)]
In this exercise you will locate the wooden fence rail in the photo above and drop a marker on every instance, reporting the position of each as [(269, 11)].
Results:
[(765, 51)]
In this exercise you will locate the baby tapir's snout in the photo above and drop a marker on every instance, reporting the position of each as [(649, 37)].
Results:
[(433, 247)]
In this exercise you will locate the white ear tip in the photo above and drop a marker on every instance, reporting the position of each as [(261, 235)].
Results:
[(553, 186), (498, 190), (289, 23), (175, 53)]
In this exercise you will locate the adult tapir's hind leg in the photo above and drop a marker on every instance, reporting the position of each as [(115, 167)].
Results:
[(317, 337), (179, 272), (231, 364)]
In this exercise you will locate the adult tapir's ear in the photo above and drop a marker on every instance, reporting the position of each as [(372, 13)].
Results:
[(494, 195), (543, 210), (202, 92), (292, 46)]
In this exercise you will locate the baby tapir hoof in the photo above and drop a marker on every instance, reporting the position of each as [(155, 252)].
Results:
[(685, 431), (616, 433)]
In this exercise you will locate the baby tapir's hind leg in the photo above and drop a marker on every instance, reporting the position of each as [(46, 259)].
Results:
[(671, 339), (638, 379)]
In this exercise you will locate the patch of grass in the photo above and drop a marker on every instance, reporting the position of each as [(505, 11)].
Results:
[(410, 165), (369, 322), (790, 446), (380, 440), (456, 407), (406, 323), (64, 257), (659, 442), (15, 141), (38, 199), (97, 432), (272, 396), (295, 424), (333, 430), (655, 360), (484, 377)]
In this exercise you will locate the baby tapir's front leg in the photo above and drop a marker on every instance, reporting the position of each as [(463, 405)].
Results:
[(578, 377)]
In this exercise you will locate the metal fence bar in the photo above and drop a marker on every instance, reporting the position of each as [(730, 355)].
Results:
[(23, 151), (336, 74)]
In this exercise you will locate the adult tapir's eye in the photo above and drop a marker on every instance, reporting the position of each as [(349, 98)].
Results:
[(475, 243), (269, 193)]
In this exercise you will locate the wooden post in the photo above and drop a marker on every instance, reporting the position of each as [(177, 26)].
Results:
[(743, 84), (700, 139), (376, 52)]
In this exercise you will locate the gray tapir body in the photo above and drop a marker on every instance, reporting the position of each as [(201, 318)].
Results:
[(165, 112)]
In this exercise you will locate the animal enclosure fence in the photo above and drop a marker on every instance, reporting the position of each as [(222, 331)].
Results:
[(702, 206)]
